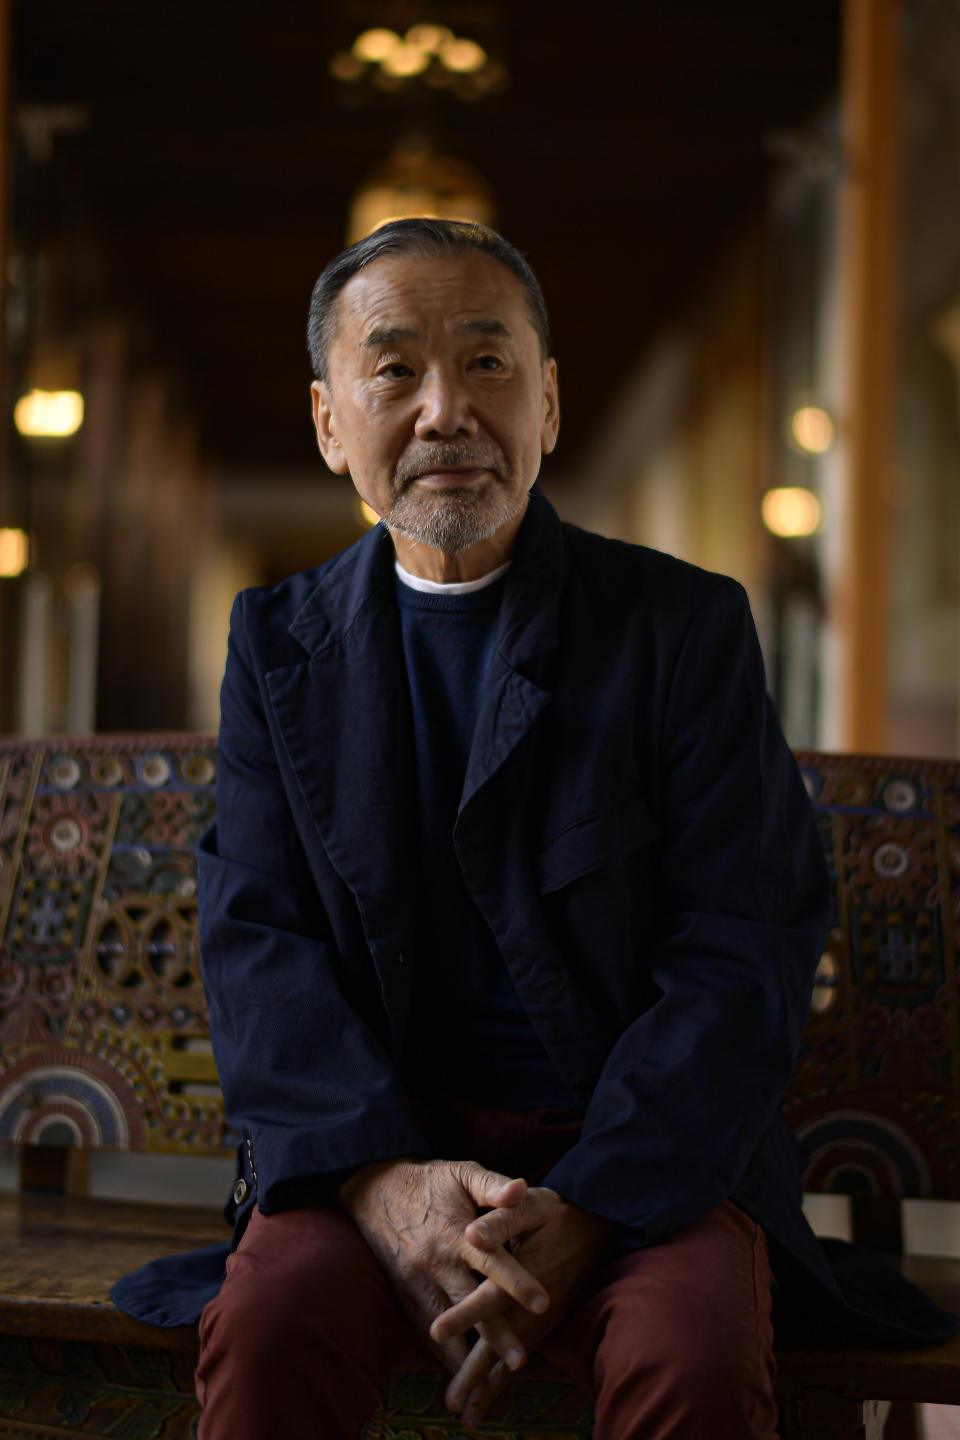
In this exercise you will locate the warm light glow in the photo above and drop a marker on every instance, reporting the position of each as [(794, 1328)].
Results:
[(14, 552), (49, 412), (813, 429), (346, 66), (791, 510), (367, 513), (415, 180), (374, 45), (429, 37), (464, 56), (406, 60)]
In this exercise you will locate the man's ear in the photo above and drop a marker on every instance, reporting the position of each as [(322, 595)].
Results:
[(326, 427), (551, 407)]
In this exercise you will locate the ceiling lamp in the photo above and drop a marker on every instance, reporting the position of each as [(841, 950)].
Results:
[(415, 180), (466, 57), (375, 45), (432, 54)]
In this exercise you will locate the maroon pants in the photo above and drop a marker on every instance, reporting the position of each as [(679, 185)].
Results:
[(673, 1342)]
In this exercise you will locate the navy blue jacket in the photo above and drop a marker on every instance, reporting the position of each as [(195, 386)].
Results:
[(634, 830)]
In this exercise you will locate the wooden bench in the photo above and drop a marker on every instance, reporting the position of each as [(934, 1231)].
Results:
[(104, 1042)]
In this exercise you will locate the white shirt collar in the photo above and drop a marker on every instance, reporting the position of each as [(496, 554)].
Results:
[(449, 587)]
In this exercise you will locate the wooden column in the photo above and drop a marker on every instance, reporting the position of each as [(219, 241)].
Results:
[(871, 86), (6, 196), (7, 619)]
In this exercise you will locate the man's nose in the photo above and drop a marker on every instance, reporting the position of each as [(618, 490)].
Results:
[(444, 409)]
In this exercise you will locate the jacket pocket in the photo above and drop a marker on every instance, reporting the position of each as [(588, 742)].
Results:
[(604, 837)]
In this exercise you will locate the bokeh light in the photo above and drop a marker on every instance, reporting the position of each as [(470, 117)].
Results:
[(49, 413), (813, 429), (375, 45), (463, 56), (406, 60), (791, 510), (14, 552)]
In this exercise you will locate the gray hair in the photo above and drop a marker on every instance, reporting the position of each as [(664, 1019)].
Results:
[(419, 236)]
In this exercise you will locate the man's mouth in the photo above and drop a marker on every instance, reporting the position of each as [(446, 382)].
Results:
[(448, 467), (450, 477)]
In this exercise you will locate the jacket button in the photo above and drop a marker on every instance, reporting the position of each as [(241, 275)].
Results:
[(240, 1192)]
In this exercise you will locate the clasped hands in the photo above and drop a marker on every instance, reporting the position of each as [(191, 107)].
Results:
[(454, 1272)]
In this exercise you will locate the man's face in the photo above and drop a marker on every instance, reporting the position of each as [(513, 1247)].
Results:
[(438, 405)]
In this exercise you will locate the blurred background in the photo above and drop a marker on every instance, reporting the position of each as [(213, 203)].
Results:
[(746, 220)]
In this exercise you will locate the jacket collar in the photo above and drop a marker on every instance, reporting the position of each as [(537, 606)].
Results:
[(358, 585)]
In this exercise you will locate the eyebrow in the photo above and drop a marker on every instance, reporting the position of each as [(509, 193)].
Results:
[(386, 335), (389, 334), (483, 326)]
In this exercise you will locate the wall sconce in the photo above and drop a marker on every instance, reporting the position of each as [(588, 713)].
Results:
[(14, 553), (812, 429), (49, 414)]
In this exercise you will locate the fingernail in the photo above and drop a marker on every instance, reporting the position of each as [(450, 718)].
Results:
[(539, 1304), (514, 1359), (484, 1230)]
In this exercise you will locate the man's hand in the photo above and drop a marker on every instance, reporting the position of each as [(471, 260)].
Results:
[(414, 1215), (562, 1246)]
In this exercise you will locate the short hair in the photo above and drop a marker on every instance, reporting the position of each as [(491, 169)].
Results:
[(419, 236)]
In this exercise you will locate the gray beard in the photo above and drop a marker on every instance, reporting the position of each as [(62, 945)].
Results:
[(454, 521)]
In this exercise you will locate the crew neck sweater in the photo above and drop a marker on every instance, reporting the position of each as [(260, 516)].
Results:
[(469, 1035)]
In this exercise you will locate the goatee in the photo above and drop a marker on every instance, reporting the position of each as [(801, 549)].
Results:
[(454, 518)]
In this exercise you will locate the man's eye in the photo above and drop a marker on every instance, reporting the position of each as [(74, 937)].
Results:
[(487, 362), (396, 370)]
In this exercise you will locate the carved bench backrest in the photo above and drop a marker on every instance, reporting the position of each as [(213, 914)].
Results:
[(875, 1098), (104, 1037)]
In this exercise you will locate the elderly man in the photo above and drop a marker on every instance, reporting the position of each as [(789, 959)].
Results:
[(509, 918)]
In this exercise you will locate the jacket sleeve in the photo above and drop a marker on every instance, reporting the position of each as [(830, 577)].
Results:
[(691, 1087), (304, 1078)]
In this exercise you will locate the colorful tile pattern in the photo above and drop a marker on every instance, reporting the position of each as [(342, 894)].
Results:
[(104, 1036), (875, 1098)]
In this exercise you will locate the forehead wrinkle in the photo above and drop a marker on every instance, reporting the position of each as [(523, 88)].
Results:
[(389, 334)]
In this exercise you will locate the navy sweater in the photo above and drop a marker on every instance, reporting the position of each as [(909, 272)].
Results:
[(469, 1036)]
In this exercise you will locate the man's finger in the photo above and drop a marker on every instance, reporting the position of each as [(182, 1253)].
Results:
[(502, 1224), (475, 1368), (452, 1354), (479, 1402), (501, 1337), (488, 1187), (481, 1305), (511, 1276), (490, 1322), (422, 1300)]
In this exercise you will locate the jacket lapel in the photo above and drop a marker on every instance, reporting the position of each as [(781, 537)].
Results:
[(518, 687), (343, 718), (498, 826)]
